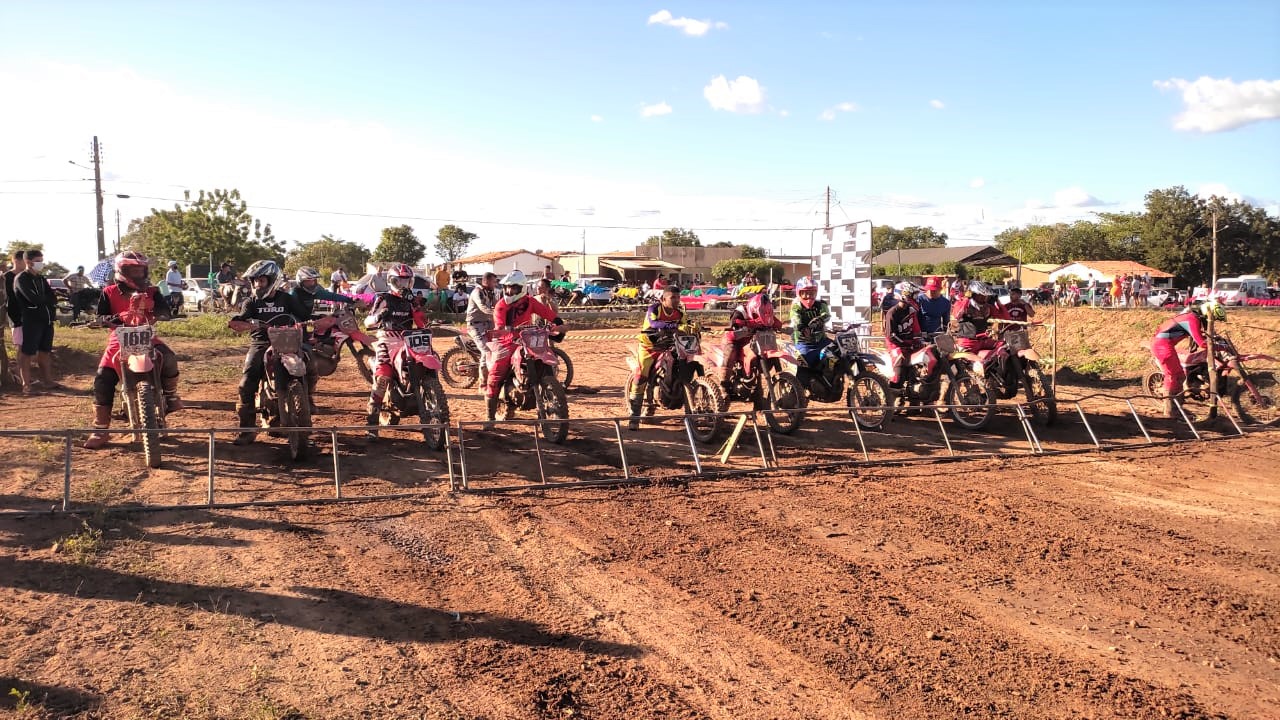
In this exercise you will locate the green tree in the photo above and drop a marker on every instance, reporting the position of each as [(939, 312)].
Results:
[(717, 244), (399, 244), (452, 242), (731, 271), (327, 254), (751, 252), (887, 237), (675, 237), (55, 269), (1060, 243), (1174, 235), (217, 224)]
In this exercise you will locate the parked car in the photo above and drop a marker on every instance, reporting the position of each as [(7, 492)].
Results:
[(1167, 298), (196, 295), (597, 290), (1237, 290)]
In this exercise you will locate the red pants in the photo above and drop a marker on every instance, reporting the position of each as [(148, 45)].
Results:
[(1166, 354), (499, 364)]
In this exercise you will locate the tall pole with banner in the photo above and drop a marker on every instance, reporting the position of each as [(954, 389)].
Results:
[(842, 265)]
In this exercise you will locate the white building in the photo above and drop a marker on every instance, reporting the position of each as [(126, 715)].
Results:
[(532, 265)]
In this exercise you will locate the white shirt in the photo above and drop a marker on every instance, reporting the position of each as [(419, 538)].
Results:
[(173, 279)]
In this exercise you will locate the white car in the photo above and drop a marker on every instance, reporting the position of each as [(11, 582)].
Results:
[(597, 290), (196, 294)]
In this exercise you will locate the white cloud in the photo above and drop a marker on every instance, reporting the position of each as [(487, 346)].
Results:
[(1075, 197), (936, 104), (977, 182), (744, 95), (1212, 105), (830, 113), (688, 26), (784, 113), (597, 118), (661, 108)]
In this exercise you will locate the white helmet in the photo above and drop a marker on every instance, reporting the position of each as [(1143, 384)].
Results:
[(513, 278)]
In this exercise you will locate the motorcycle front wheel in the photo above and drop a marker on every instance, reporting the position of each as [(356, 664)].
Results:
[(1044, 408), (1153, 384), (869, 390), (783, 392), (703, 396), (432, 408), (552, 403), (295, 411), (365, 359), (971, 405), (459, 369), (1249, 409), (148, 417)]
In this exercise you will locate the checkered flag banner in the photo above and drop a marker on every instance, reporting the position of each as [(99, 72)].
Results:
[(843, 273)]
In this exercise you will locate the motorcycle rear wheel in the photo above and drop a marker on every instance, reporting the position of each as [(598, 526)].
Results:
[(1153, 384), (459, 369), (365, 359), (972, 406), (1250, 410), (869, 390), (1045, 411), (552, 403), (148, 417), (564, 369)]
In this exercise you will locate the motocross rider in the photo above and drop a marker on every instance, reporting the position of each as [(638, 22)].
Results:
[(514, 309), (396, 311), (307, 291), (902, 331), (1189, 323), (754, 313), (660, 320), (267, 304), (480, 316), (131, 300), (809, 318), (974, 310)]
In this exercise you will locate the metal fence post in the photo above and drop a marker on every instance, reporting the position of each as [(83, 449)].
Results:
[(66, 470), (622, 451), (337, 470), (209, 496), (1080, 409)]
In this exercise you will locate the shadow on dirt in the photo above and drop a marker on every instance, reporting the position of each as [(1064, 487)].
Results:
[(33, 697), (323, 610), (1095, 382)]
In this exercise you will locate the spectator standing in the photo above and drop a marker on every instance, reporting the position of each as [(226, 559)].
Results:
[(1135, 290), (659, 282), (77, 291), (564, 277), (442, 278), (174, 284), (4, 324), (38, 309), (935, 308), (337, 279), (1116, 297), (11, 310), (1092, 287)]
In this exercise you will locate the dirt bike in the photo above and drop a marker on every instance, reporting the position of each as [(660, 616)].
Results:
[(461, 368), (677, 381), (847, 374), (415, 384), (1255, 397), (966, 391), (282, 399), (530, 383), (1014, 366), (326, 348), (758, 378), (138, 365)]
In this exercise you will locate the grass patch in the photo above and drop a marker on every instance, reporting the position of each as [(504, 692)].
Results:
[(83, 546), (203, 327)]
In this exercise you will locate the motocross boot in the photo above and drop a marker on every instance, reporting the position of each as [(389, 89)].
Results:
[(637, 404), (169, 387), (245, 417), (101, 421), (491, 408), (374, 417), (1168, 407)]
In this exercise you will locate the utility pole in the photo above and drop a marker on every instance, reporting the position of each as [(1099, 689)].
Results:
[(826, 222), (117, 248), (97, 190)]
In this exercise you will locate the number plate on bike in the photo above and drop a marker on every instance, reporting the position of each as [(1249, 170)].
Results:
[(688, 343), (135, 340), (418, 340), (848, 342), (1017, 340), (766, 341)]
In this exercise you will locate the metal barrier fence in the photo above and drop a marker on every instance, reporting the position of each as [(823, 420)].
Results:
[(463, 477)]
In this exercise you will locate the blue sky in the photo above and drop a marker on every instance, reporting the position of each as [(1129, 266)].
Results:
[(970, 117)]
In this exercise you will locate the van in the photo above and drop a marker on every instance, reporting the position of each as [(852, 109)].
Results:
[(1236, 290)]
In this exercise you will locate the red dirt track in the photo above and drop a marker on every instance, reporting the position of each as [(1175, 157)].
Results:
[(1135, 583)]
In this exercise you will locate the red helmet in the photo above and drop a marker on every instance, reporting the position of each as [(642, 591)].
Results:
[(759, 310), (125, 272)]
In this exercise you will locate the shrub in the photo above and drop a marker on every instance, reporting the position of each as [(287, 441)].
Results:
[(731, 271)]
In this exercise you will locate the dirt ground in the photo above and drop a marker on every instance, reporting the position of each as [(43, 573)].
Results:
[(1135, 583)]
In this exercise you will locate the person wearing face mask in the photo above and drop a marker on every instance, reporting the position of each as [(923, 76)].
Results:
[(39, 310)]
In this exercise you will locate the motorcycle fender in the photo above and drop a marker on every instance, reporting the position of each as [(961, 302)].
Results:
[(140, 364), (294, 365), (1029, 354), (431, 362)]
